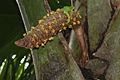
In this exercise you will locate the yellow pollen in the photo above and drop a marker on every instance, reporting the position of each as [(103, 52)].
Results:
[(35, 36), (37, 43), (52, 12), (46, 31), (78, 22), (51, 38), (54, 18), (74, 23), (63, 24), (32, 27), (45, 41), (53, 31), (80, 16), (42, 27), (74, 19), (42, 44), (70, 26), (53, 22), (58, 10), (60, 30), (49, 27), (60, 16), (48, 14), (40, 21), (64, 28), (37, 46), (45, 17), (24, 34), (28, 32)]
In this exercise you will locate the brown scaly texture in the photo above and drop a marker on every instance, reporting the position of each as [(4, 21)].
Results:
[(47, 27)]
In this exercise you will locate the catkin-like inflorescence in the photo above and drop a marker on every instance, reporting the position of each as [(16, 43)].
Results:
[(74, 19), (49, 26)]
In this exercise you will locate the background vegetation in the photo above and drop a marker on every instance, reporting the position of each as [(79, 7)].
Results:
[(101, 19)]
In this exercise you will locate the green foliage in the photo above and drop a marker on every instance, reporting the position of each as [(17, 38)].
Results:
[(12, 29)]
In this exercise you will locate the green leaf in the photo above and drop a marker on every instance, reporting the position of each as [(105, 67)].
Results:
[(19, 71), (11, 29), (9, 73), (3, 71)]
